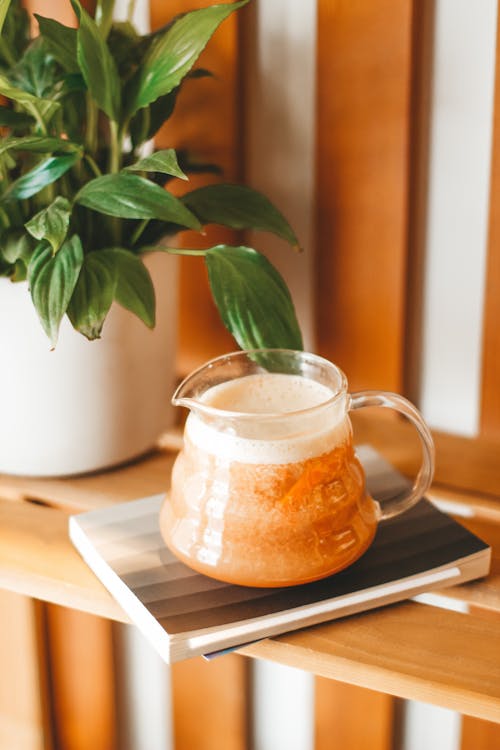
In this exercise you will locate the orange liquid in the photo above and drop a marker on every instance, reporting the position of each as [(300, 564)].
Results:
[(268, 524)]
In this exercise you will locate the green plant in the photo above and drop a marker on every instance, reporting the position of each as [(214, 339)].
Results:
[(80, 203)]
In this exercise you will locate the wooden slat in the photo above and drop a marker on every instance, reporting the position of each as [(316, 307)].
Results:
[(211, 704), (370, 717), (206, 121), (82, 681), (409, 650), (478, 734), (364, 70), (24, 715), (490, 401), (419, 155)]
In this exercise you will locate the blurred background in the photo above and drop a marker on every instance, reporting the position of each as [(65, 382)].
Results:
[(372, 126)]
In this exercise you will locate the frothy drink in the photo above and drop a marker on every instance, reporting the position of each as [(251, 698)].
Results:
[(273, 501)]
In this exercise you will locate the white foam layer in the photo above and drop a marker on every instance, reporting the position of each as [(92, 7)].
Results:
[(278, 440), (267, 393)]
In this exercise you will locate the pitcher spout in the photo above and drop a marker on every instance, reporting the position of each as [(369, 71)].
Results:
[(190, 392)]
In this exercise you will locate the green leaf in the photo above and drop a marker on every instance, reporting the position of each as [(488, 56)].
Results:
[(11, 119), (174, 53), (132, 197), (15, 244), (104, 16), (52, 280), (160, 161), (15, 34), (43, 174), (252, 298), (134, 289), (238, 207), (94, 293), (97, 65), (37, 72), (61, 41), (39, 144), (41, 109), (4, 7), (51, 223)]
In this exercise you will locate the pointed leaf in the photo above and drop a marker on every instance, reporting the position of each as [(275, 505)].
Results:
[(4, 7), (94, 294), (238, 207), (174, 53), (160, 161), (252, 298), (134, 289), (52, 279), (97, 65), (51, 223), (38, 144), (61, 41), (132, 197), (43, 174)]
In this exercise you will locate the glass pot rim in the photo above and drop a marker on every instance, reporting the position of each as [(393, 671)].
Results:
[(194, 403)]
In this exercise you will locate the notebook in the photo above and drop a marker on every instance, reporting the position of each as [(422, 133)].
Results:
[(185, 614)]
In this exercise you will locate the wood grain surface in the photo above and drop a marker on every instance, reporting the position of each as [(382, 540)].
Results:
[(81, 668), (24, 700), (409, 650), (348, 716), (211, 704), (363, 84)]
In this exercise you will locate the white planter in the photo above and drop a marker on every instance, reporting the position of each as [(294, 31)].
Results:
[(85, 405)]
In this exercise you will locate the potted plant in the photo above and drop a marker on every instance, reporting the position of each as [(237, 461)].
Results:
[(84, 201)]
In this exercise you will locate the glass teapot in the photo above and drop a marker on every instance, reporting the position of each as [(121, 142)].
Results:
[(268, 490)]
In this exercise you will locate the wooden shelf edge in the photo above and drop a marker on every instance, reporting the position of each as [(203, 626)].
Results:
[(358, 650)]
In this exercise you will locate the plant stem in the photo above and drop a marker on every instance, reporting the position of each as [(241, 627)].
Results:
[(90, 161), (114, 148), (115, 157), (138, 231), (180, 250), (91, 125)]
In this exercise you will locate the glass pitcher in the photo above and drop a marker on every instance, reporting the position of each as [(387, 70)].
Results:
[(267, 490)]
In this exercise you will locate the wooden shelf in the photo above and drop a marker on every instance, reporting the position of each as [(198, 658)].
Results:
[(409, 650)]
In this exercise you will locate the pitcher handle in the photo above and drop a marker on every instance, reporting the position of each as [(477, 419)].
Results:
[(423, 479)]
